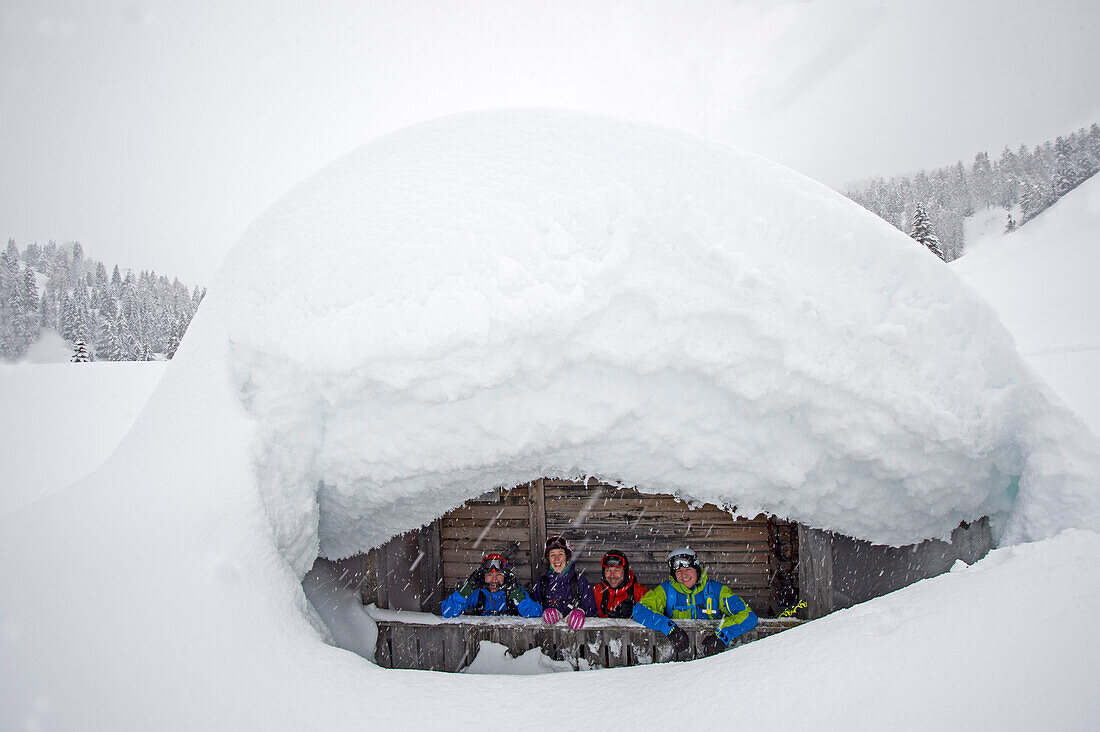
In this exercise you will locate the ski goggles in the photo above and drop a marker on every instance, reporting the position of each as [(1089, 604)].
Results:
[(494, 563), (680, 561), (557, 542), (613, 560)]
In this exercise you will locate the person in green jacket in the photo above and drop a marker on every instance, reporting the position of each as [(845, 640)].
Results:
[(688, 593)]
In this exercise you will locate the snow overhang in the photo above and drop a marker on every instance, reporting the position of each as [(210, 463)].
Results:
[(488, 298)]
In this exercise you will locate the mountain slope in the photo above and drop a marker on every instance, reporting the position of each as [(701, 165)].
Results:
[(1042, 281)]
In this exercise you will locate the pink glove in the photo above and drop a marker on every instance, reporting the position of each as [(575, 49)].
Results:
[(550, 615), (575, 619)]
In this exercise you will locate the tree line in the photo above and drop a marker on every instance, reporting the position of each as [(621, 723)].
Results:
[(116, 317), (1024, 182)]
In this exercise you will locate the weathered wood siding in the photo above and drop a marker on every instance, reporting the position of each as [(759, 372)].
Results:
[(756, 557), (452, 645), (501, 524), (596, 518)]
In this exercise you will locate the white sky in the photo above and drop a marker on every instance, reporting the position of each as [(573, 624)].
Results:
[(153, 132)]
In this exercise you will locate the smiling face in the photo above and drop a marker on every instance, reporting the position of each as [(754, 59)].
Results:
[(614, 576), (557, 559), (494, 578), (687, 576)]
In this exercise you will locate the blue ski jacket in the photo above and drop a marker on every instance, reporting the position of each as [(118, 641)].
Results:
[(708, 599), (491, 603)]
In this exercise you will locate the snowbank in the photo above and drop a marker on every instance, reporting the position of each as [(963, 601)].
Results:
[(60, 421), (487, 298)]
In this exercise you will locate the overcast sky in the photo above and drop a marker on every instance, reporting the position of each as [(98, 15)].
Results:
[(154, 132)]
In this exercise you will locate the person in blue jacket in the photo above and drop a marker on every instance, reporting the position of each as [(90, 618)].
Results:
[(491, 589), (688, 593)]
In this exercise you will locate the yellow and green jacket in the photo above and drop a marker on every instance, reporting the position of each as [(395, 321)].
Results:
[(670, 601)]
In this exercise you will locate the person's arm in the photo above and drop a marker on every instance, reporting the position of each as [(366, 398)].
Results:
[(465, 597), (535, 594), (739, 616), (588, 599), (526, 607), (639, 592), (650, 611), (456, 604)]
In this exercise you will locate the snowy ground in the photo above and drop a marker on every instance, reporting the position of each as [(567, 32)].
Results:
[(60, 421), (153, 595)]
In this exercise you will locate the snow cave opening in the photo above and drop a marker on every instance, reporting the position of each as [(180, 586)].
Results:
[(385, 603)]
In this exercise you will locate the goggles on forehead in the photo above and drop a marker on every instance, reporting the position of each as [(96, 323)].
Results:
[(680, 561), (613, 560), (494, 562), (556, 542)]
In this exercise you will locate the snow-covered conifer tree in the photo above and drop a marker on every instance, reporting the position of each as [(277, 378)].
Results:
[(82, 325), (1066, 173), (80, 352), (32, 254), (922, 232)]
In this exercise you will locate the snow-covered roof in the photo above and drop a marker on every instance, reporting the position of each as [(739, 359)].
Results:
[(487, 298)]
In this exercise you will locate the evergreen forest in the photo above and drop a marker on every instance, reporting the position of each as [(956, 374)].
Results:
[(107, 317), (932, 206)]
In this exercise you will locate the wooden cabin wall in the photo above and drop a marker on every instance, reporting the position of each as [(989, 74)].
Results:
[(756, 557), (646, 527), (501, 524)]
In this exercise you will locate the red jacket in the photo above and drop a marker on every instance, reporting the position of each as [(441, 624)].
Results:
[(619, 602)]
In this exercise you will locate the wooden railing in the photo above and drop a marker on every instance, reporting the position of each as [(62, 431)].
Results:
[(423, 641)]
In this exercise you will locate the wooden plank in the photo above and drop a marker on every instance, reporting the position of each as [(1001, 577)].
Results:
[(597, 497), (430, 654), (382, 595), (518, 496), (479, 522), (487, 512), (471, 534), (430, 568), (415, 645), (569, 513), (382, 652), (815, 571), (536, 514), (474, 556), (454, 647), (653, 502), (618, 529), (647, 527), (454, 576)]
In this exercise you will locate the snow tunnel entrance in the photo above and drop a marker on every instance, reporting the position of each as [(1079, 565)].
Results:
[(774, 565)]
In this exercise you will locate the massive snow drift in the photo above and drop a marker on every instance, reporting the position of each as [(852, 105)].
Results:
[(487, 298)]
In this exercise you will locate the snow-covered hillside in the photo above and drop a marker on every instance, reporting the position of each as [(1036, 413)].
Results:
[(60, 421), (594, 328), (1042, 280)]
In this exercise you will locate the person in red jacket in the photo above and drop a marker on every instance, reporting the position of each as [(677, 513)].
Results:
[(616, 595)]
